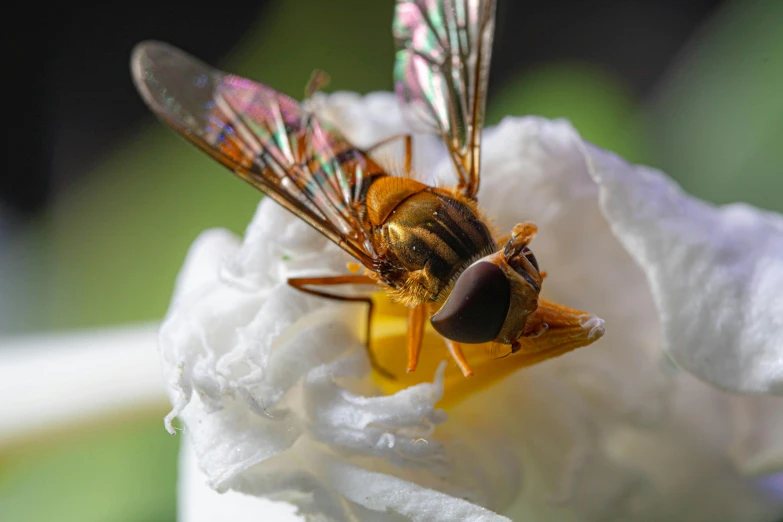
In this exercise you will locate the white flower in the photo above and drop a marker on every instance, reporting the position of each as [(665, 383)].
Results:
[(272, 387)]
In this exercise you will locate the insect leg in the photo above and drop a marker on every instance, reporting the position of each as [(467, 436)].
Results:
[(303, 283), (502, 240), (408, 149), (417, 320), (455, 349), (408, 154)]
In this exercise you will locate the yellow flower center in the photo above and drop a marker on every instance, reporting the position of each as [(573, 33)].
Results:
[(568, 329)]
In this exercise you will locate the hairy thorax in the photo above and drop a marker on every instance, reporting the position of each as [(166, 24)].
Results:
[(425, 237)]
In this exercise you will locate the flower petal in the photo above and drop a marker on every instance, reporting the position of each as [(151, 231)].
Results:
[(388, 494), (535, 170), (716, 274), (757, 443), (267, 380), (197, 502), (271, 384)]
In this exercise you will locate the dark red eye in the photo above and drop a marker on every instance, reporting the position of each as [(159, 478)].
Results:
[(477, 307)]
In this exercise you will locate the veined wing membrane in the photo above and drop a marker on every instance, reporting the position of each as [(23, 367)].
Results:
[(265, 138), (441, 73)]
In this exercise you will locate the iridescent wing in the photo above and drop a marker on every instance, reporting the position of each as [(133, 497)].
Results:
[(441, 73), (265, 138)]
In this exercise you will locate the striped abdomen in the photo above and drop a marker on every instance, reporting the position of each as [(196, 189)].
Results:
[(425, 235)]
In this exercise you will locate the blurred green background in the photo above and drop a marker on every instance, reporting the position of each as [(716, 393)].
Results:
[(108, 247)]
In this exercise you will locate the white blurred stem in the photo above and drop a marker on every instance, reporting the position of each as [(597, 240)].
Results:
[(62, 379)]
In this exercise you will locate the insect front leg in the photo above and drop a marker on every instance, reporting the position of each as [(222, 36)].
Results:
[(304, 284), (417, 320), (455, 349), (521, 236)]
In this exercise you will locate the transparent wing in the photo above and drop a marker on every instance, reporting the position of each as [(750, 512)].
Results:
[(441, 73), (265, 138)]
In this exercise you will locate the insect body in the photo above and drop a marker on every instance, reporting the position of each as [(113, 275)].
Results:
[(430, 246), (435, 242), (428, 237)]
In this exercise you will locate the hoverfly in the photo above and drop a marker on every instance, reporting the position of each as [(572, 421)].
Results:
[(430, 247)]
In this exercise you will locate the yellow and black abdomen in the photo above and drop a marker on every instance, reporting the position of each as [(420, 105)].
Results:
[(430, 233)]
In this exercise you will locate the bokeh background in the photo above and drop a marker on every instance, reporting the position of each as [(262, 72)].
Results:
[(99, 202)]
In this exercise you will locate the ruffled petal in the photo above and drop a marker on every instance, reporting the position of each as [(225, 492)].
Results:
[(535, 169), (267, 381), (716, 274), (197, 502), (272, 387)]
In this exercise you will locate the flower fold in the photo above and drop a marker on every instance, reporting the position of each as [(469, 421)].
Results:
[(716, 274)]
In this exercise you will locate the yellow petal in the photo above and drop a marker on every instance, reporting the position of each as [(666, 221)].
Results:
[(568, 329)]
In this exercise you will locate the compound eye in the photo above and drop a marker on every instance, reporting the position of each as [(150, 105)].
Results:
[(477, 307)]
